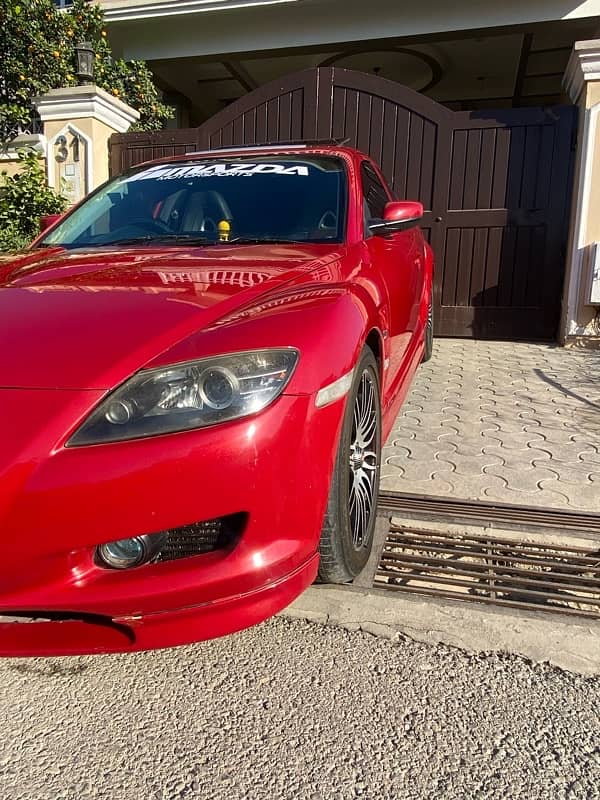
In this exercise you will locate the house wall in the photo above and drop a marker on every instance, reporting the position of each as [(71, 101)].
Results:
[(78, 122), (9, 161), (580, 317), (95, 131), (301, 23), (592, 227), (10, 166)]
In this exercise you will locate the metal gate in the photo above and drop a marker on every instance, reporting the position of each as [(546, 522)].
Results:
[(495, 184)]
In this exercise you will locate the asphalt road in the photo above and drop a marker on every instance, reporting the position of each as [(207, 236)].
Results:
[(295, 710)]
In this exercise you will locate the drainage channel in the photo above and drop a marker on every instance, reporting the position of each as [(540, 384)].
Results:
[(468, 550)]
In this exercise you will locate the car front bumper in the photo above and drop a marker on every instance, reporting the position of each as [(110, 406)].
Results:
[(58, 503), (73, 634)]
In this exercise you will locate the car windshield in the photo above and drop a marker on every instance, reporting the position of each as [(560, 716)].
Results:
[(254, 199)]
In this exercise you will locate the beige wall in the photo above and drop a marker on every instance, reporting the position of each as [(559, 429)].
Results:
[(78, 123), (11, 166), (98, 133), (593, 217), (9, 162), (582, 81), (592, 222)]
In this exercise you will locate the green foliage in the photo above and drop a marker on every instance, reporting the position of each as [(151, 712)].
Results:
[(38, 53), (11, 240), (24, 198)]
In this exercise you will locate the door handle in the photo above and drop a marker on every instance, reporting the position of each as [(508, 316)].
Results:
[(439, 219)]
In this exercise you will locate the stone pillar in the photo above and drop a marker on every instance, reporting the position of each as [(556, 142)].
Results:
[(580, 322), (78, 122)]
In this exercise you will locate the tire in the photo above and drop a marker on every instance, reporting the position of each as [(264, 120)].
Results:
[(428, 352), (347, 534)]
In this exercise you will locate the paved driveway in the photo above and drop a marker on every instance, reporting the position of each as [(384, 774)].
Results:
[(297, 711), (504, 422)]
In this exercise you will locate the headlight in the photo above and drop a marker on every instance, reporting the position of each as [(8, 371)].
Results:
[(190, 395)]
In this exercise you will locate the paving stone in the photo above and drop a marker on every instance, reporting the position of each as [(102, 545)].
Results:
[(543, 498), (576, 474), (583, 498), (468, 466), (407, 421), (589, 457), (434, 486), (418, 470), (517, 459), (567, 454), (516, 441), (530, 409), (434, 408), (472, 487), (425, 431), (387, 471), (522, 480), (510, 426), (427, 451), (399, 435), (460, 430), (551, 429), (472, 446), (394, 451)]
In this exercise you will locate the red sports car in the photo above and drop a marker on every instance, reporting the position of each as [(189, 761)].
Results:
[(199, 364)]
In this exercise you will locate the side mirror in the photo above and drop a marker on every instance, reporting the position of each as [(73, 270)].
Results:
[(397, 216), (48, 221)]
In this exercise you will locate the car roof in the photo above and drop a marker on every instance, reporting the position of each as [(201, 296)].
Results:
[(292, 148)]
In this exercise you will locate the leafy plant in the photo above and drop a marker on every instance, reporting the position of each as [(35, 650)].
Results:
[(37, 53), (24, 199)]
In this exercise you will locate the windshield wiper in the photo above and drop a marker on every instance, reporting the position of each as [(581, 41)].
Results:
[(263, 240), (175, 238)]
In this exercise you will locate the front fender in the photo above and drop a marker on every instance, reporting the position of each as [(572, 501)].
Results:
[(328, 325)]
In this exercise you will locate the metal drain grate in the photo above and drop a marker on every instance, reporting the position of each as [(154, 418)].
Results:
[(499, 570), (493, 515)]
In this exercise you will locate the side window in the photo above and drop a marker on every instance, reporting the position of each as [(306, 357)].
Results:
[(374, 193)]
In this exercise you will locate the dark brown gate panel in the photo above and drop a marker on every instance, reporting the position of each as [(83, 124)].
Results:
[(128, 149), (399, 128), (501, 241), (495, 185), (276, 112), (280, 111)]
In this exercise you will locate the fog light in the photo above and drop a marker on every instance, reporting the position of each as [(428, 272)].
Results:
[(127, 553)]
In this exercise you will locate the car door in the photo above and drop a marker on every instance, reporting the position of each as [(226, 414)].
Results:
[(398, 258)]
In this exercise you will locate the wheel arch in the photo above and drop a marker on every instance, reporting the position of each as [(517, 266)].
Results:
[(374, 342)]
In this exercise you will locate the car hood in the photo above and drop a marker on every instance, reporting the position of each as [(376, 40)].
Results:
[(89, 319)]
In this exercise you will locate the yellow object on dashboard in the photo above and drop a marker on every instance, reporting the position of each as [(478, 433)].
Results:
[(224, 230)]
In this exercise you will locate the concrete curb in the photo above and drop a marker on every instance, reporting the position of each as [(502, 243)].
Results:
[(571, 643)]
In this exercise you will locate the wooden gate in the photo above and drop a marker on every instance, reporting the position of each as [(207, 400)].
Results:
[(495, 184)]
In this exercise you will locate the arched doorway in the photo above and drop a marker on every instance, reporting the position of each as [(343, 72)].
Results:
[(495, 184)]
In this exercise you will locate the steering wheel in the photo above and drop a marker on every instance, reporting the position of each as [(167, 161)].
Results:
[(328, 220), (209, 225), (150, 225)]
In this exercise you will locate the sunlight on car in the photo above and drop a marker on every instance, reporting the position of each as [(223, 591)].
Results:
[(202, 362)]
